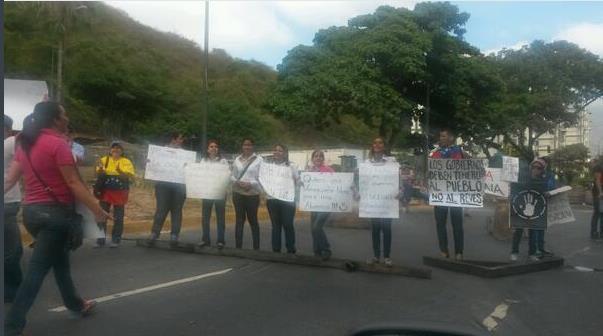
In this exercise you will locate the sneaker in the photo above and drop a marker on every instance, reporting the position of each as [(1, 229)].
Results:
[(388, 262), (203, 244), (325, 255), (88, 309), (458, 257), (100, 242), (114, 245), (373, 261), (546, 253), (514, 257), (444, 255), (220, 246), (533, 258)]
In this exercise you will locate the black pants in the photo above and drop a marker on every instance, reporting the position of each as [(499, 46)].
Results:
[(597, 217), (206, 218), (456, 217), (282, 215), (170, 198), (118, 222), (49, 226), (246, 206), (381, 225), (320, 242), (13, 250)]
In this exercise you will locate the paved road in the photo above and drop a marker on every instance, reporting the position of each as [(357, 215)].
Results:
[(259, 298)]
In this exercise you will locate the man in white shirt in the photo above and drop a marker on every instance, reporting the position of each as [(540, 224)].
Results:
[(13, 249)]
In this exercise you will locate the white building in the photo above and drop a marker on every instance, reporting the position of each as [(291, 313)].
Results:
[(565, 136)]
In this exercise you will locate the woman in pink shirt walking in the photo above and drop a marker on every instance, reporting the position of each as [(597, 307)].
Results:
[(52, 184)]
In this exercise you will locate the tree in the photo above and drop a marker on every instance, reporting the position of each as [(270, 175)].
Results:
[(547, 84), (383, 67), (570, 162)]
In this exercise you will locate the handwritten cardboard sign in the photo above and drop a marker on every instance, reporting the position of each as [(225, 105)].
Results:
[(277, 181), (510, 169), (493, 185), (167, 164), (456, 183), (206, 180), (326, 192), (379, 185)]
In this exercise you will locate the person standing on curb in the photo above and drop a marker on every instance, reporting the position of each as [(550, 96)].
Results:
[(246, 192), (596, 222), (170, 198), (448, 150), (320, 242), (118, 171), (212, 155), (282, 213)]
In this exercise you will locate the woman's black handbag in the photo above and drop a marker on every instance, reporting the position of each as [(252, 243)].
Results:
[(99, 185)]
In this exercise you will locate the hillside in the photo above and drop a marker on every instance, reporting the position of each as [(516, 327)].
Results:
[(126, 80)]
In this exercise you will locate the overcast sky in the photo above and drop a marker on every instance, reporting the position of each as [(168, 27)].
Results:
[(266, 30)]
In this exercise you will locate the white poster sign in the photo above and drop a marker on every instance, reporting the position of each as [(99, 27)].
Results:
[(510, 169), (559, 210), (89, 226), (277, 181), (493, 185), (379, 186), (167, 164), (456, 183), (326, 192), (206, 180)]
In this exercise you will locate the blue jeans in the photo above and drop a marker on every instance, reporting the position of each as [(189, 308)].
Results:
[(381, 225), (535, 238), (220, 206), (282, 215), (319, 238), (48, 224), (13, 250), (170, 198)]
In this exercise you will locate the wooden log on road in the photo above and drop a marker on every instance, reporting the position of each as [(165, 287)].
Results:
[(293, 259)]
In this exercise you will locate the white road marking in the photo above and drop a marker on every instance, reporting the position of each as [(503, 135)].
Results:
[(583, 269), (148, 289), (500, 312)]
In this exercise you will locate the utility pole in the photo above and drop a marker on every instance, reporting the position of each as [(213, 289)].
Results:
[(205, 84)]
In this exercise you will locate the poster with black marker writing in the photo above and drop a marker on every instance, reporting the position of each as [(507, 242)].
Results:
[(528, 206)]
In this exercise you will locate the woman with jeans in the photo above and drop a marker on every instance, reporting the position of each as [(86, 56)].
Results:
[(52, 184), (118, 170), (246, 192), (380, 226), (212, 155), (282, 213), (170, 198), (318, 219)]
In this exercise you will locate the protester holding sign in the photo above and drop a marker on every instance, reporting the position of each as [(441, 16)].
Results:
[(597, 191), (381, 226), (448, 150), (318, 219), (169, 198), (282, 212), (52, 184), (536, 248), (212, 155), (246, 192), (118, 171)]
